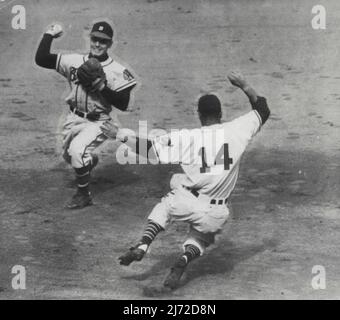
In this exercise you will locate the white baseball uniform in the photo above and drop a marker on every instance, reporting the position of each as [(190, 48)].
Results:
[(82, 136), (210, 158)]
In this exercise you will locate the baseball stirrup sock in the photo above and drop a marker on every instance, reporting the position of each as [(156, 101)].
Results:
[(83, 179), (191, 252), (150, 232)]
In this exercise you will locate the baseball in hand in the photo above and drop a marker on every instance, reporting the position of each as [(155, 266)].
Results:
[(237, 79), (55, 30)]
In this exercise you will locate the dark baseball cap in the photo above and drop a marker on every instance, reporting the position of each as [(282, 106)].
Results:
[(102, 30), (209, 105)]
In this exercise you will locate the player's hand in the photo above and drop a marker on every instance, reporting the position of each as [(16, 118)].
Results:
[(110, 129), (55, 30), (237, 79)]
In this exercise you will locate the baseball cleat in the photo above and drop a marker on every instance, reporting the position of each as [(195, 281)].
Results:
[(173, 279), (134, 254), (80, 200), (94, 161)]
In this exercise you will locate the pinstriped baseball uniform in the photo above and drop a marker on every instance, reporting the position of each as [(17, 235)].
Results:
[(82, 136)]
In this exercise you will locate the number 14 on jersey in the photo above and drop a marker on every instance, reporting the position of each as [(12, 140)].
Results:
[(222, 158)]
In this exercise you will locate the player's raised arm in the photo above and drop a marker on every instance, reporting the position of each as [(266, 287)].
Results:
[(44, 58), (258, 103)]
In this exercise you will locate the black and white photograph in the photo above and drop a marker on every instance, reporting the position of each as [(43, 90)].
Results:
[(164, 150)]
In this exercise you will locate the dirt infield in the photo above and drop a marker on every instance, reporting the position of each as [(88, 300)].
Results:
[(286, 210)]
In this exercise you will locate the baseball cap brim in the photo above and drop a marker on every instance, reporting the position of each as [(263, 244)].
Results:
[(101, 35)]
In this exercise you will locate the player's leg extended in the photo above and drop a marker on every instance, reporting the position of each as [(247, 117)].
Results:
[(205, 222), (157, 222), (193, 248), (83, 162)]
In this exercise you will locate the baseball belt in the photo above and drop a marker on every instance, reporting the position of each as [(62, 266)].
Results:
[(212, 201), (78, 113)]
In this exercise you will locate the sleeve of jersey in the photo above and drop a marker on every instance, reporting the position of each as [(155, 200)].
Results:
[(125, 81), (168, 148), (63, 64), (248, 125)]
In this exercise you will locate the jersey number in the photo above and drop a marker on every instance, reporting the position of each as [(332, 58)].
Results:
[(222, 157)]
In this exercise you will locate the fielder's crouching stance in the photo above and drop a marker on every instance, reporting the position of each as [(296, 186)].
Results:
[(97, 84), (200, 195)]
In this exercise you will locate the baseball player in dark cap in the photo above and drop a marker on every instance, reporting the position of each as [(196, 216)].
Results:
[(210, 158), (90, 104), (102, 30)]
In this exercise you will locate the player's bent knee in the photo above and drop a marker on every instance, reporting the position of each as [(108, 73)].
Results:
[(159, 215), (212, 222), (76, 161), (206, 238), (76, 155)]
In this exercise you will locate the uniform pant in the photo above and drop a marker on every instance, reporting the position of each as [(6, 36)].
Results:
[(205, 219), (80, 138)]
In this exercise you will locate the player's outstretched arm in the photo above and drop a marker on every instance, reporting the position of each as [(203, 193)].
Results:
[(111, 130), (43, 57), (258, 103)]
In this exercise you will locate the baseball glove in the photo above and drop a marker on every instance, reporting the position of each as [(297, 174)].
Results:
[(91, 75)]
